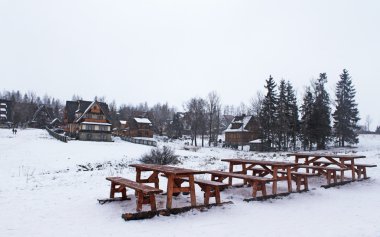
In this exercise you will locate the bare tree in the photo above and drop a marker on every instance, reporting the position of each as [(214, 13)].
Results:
[(196, 116), (213, 111), (368, 121)]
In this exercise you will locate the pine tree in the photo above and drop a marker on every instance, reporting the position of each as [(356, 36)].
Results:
[(306, 119), (292, 114), (268, 113), (282, 117), (321, 128), (346, 114)]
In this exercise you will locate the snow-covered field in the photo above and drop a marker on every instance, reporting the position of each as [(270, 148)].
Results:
[(45, 191)]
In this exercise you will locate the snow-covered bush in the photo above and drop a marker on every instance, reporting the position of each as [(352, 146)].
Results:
[(160, 156)]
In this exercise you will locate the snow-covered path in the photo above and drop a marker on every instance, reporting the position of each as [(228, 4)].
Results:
[(43, 192)]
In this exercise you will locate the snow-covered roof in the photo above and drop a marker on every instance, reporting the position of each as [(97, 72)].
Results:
[(142, 120), (3, 115), (4, 104), (255, 141), (239, 120), (92, 123), (55, 120), (2, 109), (123, 122)]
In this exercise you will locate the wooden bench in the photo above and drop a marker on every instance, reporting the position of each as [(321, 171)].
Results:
[(361, 169), (300, 178), (257, 183), (145, 193), (330, 172), (210, 189)]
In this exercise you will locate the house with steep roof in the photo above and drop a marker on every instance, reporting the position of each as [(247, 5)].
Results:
[(241, 131), (42, 117), (87, 121)]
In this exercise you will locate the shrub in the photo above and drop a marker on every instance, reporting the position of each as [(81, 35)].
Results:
[(160, 156)]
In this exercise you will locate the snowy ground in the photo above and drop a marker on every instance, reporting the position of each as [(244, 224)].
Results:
[(44, 191)]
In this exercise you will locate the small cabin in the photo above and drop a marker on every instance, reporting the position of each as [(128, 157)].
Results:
[(138, 127), (241, 131)]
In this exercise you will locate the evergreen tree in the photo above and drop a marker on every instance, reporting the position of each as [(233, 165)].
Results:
[(282, 117), (306, 119), (267, 115), (292, 114), (321, 122), (346, 114)]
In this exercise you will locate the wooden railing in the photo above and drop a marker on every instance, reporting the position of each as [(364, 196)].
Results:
[(139, 141), (56, 135)]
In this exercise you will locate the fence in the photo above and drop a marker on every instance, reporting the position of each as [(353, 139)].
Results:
[(140, 141), (56, 135)]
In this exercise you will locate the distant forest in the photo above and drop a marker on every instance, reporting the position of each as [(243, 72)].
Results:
[(316, 121)]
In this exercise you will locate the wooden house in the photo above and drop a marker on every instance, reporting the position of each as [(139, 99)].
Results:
[(88, 121), (138, 127), (42, 117), (241, 131)]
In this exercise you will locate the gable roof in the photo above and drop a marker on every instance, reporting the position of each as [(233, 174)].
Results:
[(81, 106), (239, 124), (43, 108)]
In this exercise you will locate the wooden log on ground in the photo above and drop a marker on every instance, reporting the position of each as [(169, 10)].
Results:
[(107, 200), (342, 183), (276, 196), (167, 212)]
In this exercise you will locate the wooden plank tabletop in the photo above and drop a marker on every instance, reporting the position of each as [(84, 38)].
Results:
[(260, 162), (328, 155), (166, 169)]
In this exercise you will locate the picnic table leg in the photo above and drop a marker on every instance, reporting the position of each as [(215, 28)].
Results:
[(140, 200), (169, 195), (289, 174), (244, 171), (352, 166), (217, 195), (274, 187), (231, 170), (152, 199), (192, 191)]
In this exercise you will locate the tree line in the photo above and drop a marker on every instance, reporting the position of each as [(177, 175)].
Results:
[(283, 124)]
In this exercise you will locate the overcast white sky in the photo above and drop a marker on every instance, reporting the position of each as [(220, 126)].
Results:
[(172, 50)]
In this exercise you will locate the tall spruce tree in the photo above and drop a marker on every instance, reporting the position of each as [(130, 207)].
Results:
[(321, 122), (292, 114), (346, 114), (267, 114), (282, 117), (306, 119)]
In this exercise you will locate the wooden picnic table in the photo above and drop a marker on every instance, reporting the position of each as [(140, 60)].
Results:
[(173, 175), (270, 168), (335, 159)]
